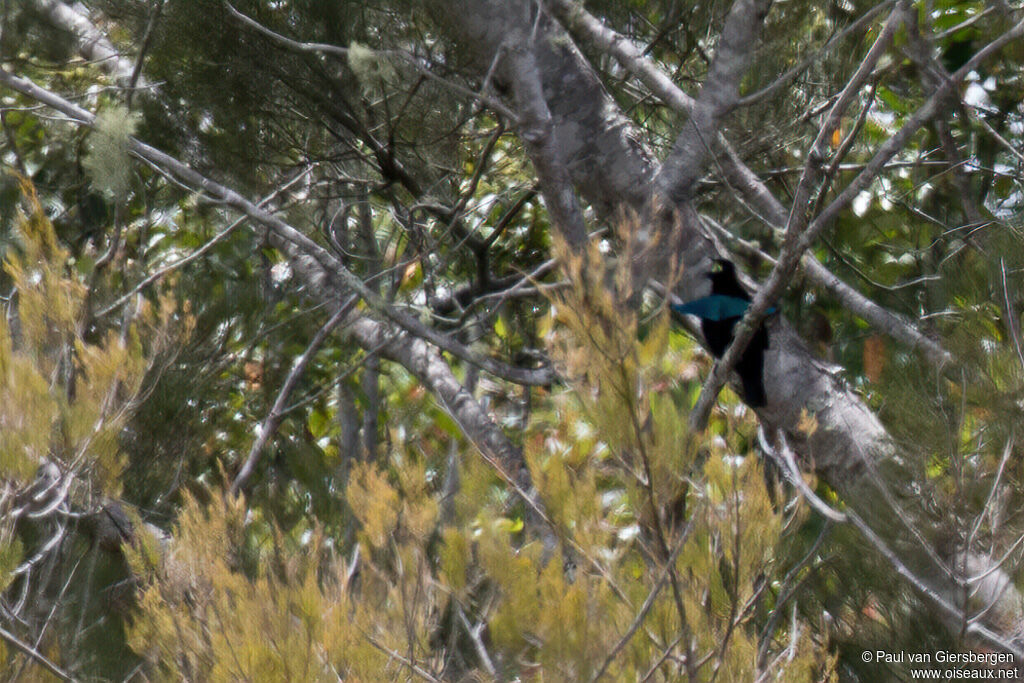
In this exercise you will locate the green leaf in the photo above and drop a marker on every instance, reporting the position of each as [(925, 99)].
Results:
[(318, 423)]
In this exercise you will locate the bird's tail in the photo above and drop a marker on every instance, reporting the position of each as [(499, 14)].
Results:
[(753, 388)]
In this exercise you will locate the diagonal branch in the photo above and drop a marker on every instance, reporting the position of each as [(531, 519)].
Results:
[(785, 458), (798, 243), (327, 278), (195, 254), (898, 141), (791, 75), (273, 419), (92, 43), (34, 654), (333, 270), (581, 24), (791, 252), (648, 603), (587, 28), (719, 95)]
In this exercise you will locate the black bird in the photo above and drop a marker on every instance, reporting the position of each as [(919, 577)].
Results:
[(718, 315)]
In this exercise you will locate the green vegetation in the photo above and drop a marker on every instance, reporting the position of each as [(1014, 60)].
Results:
[(222, 461)]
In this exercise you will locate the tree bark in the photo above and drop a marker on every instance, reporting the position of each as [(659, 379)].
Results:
[(614, 170)]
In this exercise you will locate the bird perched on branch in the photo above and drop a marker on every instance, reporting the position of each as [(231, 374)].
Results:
[(718, 315)]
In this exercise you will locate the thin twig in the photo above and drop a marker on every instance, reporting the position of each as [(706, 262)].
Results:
[(147, 41), (646, 606), (945, 605), (333, 270), (585, 27), (798, 241), (343, 53), (160, 272), (478, 643), (1011, 317), (791, 75), (30, 651), (783, 455), (273, 419), (413, 666)]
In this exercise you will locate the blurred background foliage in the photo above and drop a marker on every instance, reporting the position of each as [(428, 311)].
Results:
[(352, 527)]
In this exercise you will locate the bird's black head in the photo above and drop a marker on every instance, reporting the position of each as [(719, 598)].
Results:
[(724, 281), (723, 267)]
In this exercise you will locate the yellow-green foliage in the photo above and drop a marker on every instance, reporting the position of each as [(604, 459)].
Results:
[(661, 565), (202, 618), (301, 614), (615, 468), (63, 399)]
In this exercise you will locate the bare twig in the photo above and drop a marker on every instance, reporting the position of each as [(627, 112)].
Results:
[(273, 419), (343, 52), (92, 43), (413, 666), (184, 261), (331, 268), (1003, 142), (787, 589), (478, 643), (579, 22), (29, 651), (1011, 316), (769, 210), (895, 143), (799, 241), (646, 606), (933, 595), (784, 456), (791, 75), (147, 41)]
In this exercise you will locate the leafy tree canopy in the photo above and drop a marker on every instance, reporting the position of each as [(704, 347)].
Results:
[(338, 342)]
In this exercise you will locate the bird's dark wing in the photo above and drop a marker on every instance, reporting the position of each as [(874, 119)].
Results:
[(715, 307)]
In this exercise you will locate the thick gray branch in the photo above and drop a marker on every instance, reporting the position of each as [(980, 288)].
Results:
[(91, 42), (684, 165), (327, 278), (613, 170), (537, 131), (739, 176)]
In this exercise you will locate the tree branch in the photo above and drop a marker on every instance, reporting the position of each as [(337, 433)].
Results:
[(328, 279), (898, 141), (34, 654), (718, 96), (798, 241), (585, 27), (330, 267), (91, 42), (791, 75), (581, 23), (792, 248), (273, 418), (536, 130)]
